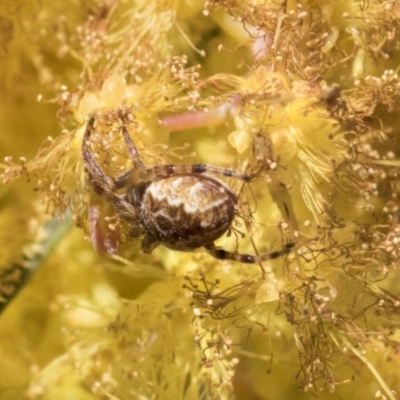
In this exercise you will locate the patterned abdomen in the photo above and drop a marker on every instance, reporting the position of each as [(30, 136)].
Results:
[(187, 211)]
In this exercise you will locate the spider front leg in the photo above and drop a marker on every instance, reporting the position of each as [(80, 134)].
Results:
[(137, 162), (103, 239), (163, 171), (169, 170), (101, 181), (103, 184)]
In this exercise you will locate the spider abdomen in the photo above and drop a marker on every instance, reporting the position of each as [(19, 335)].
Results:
[(185, 212)]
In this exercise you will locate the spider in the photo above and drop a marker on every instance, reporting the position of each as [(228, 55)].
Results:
[(182, 207)]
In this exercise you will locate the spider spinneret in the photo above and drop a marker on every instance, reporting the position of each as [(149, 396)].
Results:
[(181, 207)]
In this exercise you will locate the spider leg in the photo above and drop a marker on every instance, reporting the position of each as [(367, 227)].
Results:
[(162, 171), (97, 175), (104, 185), (165, 171), (132, 150), (136, 174), (221, 254), (125, 179)]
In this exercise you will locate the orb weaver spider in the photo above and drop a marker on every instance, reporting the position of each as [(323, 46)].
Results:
[(182, 207)]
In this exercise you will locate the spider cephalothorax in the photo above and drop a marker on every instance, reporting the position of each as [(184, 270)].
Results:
[(182, 207)]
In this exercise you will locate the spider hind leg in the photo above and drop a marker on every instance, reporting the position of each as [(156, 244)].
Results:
[(221, 254)]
